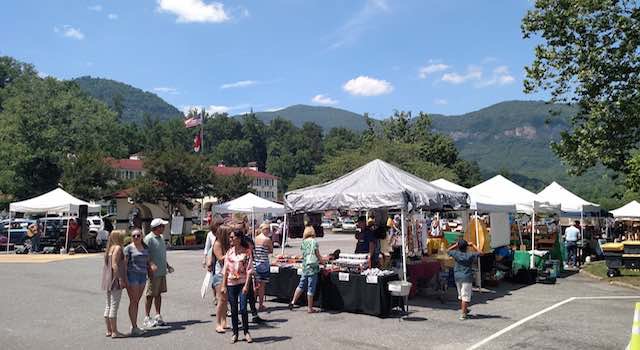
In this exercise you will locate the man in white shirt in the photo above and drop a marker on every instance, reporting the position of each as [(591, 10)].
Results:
[(571, 235)]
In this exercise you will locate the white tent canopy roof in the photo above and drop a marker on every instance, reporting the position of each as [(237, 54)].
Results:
[(569, 202), (526, 201), (249, 203), (376, 184), (630, 210), (479, 202), (56, 201)]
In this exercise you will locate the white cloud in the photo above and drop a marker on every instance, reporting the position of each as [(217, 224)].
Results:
[(440, 101), (96, 8), (424, 71), (69, 32), (324, 100), (501, 76), (489, 59), (112, 16), (367, 86), (239, 84), (501, 70), (166, 90), (211, 109), (473, 73), (43, 75), (357, 25), (274, 109), (189, 11)]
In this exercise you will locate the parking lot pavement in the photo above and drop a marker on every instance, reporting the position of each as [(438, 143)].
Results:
[(59, 305)]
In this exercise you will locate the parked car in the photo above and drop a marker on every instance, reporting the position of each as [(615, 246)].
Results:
[(96, 224), (327, 224), (348, 225), (18, 229)]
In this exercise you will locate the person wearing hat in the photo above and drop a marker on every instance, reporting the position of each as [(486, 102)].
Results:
[(158, 271), (463, 272)]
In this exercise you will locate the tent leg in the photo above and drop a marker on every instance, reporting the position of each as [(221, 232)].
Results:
[(479, 277), (403, 225), (9, 233), (533, 239), (66, 241), (284, 233)]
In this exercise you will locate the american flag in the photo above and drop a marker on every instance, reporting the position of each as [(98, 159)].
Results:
[(193, 121)]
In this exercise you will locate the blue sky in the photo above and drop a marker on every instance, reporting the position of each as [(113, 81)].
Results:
[(373, 56)]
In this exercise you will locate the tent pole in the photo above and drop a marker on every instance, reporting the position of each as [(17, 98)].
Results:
[(253, 220), (479, 280), (284, 233), (9, 233), (403, 224), (66, 241), (581, 232), (533, 238)]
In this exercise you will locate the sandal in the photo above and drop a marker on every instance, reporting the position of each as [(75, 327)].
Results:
[(234, 339), (117, 335), (248, 338), (220, 330), (108, 335), (312, 311)]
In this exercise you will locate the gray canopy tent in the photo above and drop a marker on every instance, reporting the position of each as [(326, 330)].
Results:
[(375, 185)]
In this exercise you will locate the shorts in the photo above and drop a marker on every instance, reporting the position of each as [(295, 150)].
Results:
[(464, 291), (157, 286), (308, 283), (262, 276), (137, 278), (216, 280)]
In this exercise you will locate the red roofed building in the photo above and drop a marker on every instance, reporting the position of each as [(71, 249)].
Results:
[(265, 184)]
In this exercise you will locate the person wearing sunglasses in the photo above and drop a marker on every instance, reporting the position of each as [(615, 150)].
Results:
[(238, 266), (137, 264)]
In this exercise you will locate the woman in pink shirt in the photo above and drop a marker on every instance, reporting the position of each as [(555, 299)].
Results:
[(235, 282)]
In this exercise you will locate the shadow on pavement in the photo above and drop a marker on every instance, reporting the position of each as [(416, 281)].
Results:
[(482, 317), (171, 327), (270, 339)]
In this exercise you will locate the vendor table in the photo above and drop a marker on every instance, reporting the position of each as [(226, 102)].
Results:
[(349, 292)]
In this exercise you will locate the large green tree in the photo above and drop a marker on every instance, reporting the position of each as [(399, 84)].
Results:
[(42, 123), (588, 54)]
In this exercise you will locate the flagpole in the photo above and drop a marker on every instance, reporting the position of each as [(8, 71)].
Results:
[(202, 153)]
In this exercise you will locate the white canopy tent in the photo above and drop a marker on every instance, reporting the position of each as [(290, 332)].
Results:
[(569, 202), (526, 201), (57, 201), (377, 184), (478, 202), (630, 210), (250, 204)]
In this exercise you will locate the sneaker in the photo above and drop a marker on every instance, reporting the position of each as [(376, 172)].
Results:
[(463, 317), (136, 332), (159, 321), (148, 322), (257, 319)]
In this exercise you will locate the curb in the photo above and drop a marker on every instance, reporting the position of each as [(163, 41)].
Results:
[(615, 283)]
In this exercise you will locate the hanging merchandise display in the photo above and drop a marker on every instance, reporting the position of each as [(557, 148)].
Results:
[(478, 234)]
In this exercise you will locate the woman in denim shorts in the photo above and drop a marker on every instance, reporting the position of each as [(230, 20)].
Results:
[(311, 260), (219, 250), (136, 257)]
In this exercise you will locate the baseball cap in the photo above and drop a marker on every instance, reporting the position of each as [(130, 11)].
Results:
[(157, 222)]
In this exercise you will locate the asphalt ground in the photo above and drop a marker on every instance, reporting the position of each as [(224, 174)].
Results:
[(59, 305)]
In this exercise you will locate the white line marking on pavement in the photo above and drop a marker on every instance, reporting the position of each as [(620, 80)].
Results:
[(611, 297), (531, 317), (522, 321)]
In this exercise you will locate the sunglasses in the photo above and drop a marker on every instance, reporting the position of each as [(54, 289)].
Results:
[(136, 236)]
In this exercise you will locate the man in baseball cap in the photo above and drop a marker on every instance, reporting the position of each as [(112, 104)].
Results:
[(159, 267)]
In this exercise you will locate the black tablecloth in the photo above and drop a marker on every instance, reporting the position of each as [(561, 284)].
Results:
[(354, 295)]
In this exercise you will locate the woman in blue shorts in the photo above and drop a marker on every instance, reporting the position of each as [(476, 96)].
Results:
[(311, 260), (136, 257)]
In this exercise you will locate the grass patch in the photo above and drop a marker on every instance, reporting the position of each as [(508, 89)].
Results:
[(599, 268)]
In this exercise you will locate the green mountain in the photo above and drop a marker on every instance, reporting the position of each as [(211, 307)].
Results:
[(134, 102), (327, 117), (512, 138)]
